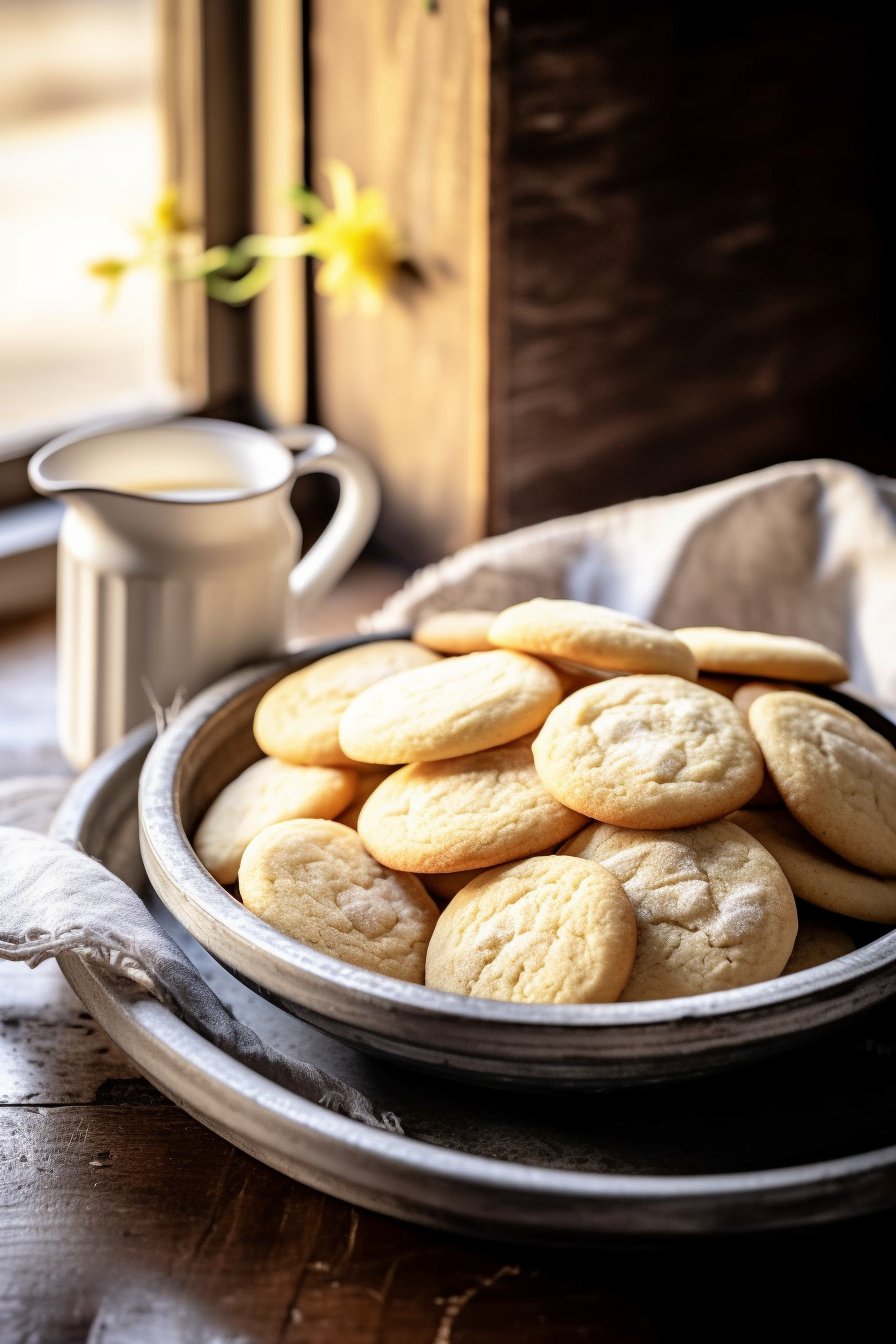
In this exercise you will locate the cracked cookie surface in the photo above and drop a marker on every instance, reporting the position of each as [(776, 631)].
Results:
[(455, 707), (544, 930), (298, 719), (594, 636), (817, 874), (472, 811), (315, 882), (713, 908), (648, 751), (836, 775), (268, 792), (753, 653)]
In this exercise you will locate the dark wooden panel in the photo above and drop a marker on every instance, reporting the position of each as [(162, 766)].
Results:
[(692, 280)]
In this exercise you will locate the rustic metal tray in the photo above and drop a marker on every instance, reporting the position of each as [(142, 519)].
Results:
[(805, 1139), (524, 1046)]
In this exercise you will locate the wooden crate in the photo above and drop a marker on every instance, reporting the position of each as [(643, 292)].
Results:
[(650, 239)]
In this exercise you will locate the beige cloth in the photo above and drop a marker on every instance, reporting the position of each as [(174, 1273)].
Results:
[(54, 899), (805, 548)]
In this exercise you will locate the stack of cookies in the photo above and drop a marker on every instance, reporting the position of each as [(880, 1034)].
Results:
[(559, 803)]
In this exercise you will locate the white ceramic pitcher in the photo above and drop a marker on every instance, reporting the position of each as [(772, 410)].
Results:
[(177, 559)]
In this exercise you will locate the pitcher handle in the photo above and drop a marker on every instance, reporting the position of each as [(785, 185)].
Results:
[(356, 513)]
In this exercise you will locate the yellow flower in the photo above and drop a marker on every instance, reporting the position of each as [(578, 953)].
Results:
[(167, 217), (111, 270), (357, 241)]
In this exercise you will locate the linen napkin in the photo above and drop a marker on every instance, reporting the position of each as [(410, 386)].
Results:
[(804, 548), (54, 899)]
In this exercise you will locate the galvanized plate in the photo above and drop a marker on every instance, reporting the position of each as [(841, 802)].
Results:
[(790, 1142), (525, 1046)]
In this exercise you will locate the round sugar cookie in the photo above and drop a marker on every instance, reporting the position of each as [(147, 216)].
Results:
[(544, 930), (268, 792), (817, 874), (836, 775), (818, 940), (648, 752), (371, 779), (298, 719), (713, 912), (456, 631), (591, 635), (315, 882), (471, 811), (752, 653), (457, 706)]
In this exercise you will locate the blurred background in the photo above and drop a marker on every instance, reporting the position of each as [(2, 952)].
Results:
[(80, 160), (648, 241)]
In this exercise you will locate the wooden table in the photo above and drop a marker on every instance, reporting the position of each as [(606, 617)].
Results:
[(123, 1221)]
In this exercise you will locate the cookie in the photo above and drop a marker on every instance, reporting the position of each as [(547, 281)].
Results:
[(471, 811), (591, 635), (714, 910), (752, 653), (456, 631), (315, 882), (836, 775), (767, 794), (371, 779), (268, 792), (748, 691), (545, 930), (298, 719), (818, 940), (817, 874), (457, 706), (648, 752)]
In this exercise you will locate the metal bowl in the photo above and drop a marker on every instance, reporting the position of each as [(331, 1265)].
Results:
[(524, 1046)]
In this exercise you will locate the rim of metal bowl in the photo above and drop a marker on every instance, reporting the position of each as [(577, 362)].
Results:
[(277, 961), (412, 1179)]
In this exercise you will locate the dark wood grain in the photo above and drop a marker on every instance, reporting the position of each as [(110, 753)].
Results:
[(688, 226), (652, 246)]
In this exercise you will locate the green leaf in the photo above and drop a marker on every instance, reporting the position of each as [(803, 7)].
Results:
[(307, 202), (238, 292)]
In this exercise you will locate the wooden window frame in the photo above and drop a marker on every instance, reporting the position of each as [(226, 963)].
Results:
[(234, 135)]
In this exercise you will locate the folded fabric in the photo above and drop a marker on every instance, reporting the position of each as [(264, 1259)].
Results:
[(805, 548), (54, 899)]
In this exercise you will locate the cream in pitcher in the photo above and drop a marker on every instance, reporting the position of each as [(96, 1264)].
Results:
[(177, 559)]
